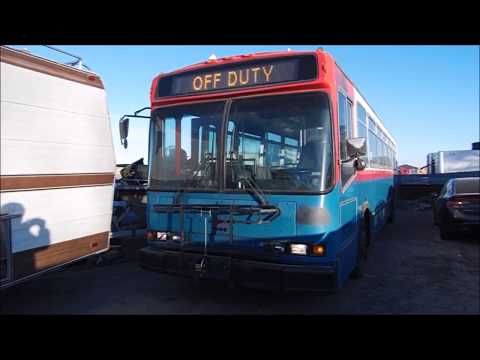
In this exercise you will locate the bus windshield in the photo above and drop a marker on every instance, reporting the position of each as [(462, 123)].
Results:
[(280, 142), (184, 146)]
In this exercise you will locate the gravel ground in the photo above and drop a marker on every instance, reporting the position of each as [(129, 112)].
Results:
[(410, 270)]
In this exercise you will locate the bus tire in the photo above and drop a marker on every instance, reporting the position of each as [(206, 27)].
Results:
[(362, 251), (391, 215)]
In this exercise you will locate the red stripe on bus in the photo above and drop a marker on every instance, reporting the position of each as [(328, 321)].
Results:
[(374, 174)]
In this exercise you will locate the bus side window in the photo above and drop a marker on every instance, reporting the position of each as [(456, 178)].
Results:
[(371, 143), (345, 124), (362, 127), (342, 125), (379, 151), (349, 119)]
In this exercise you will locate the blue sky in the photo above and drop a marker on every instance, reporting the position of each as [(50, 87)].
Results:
[(427, 96)]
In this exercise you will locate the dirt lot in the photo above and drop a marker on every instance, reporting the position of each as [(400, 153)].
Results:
[(410, 270)]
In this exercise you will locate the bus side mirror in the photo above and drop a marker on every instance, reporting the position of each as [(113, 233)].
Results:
[(356, 147), (359, 164), (123, 126)]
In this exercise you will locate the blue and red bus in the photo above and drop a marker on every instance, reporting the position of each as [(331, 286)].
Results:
[(265, 170)]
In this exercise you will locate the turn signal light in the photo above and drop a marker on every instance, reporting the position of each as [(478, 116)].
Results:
[(151, 235), (318, 250)]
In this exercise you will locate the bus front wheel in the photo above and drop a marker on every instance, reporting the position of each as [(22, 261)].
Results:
[(362, 250)]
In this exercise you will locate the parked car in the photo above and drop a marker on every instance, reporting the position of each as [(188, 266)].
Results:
[(457, 207)]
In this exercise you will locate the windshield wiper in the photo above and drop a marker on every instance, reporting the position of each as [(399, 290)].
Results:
[(193, 178), (244, 176), (203, 167)]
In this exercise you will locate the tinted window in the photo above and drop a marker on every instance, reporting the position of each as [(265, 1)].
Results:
[(346, 131), (361, 114), (372, 126), (349, 118), (444, 189), (362, 130), (467, 186), (362, 127), (343, 125), (377, 149), (371, 148), (450, 188), (384, 154)]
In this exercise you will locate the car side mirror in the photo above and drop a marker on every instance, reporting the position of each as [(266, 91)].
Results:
[(356, 147), (123, 126)]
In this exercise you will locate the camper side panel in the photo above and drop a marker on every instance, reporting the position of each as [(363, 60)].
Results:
[(52, 126), (57, 163)]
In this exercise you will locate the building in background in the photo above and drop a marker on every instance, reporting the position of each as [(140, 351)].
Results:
[(476, 145), (442, 162), (407, 169), (423, 170)]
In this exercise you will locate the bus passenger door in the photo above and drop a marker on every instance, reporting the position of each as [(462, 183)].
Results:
[(348, 197)]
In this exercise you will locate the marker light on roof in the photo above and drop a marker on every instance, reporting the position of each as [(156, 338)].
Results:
[(212, 57)]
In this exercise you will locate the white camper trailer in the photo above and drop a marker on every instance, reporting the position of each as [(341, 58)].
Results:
[(443, 162), (56, 167)]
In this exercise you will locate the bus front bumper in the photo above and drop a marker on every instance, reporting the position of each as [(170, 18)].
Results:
[(248, 273)]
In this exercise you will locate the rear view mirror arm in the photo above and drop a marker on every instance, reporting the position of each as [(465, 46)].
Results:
[(124, 127), (139, 111)]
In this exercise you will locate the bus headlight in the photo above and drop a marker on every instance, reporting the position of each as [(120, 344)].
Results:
[(298, 249)]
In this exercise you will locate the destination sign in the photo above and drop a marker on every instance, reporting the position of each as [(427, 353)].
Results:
[(247, 74)]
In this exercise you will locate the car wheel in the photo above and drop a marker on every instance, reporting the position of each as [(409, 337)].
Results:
[(446, 232), (434, 212)]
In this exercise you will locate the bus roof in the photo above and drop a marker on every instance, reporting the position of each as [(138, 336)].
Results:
[(232, 59), (377, 117)]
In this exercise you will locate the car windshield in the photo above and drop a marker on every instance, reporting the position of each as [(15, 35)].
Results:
[(279, 143)]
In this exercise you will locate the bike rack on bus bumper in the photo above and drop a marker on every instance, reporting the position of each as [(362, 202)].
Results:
[(264, 213)]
